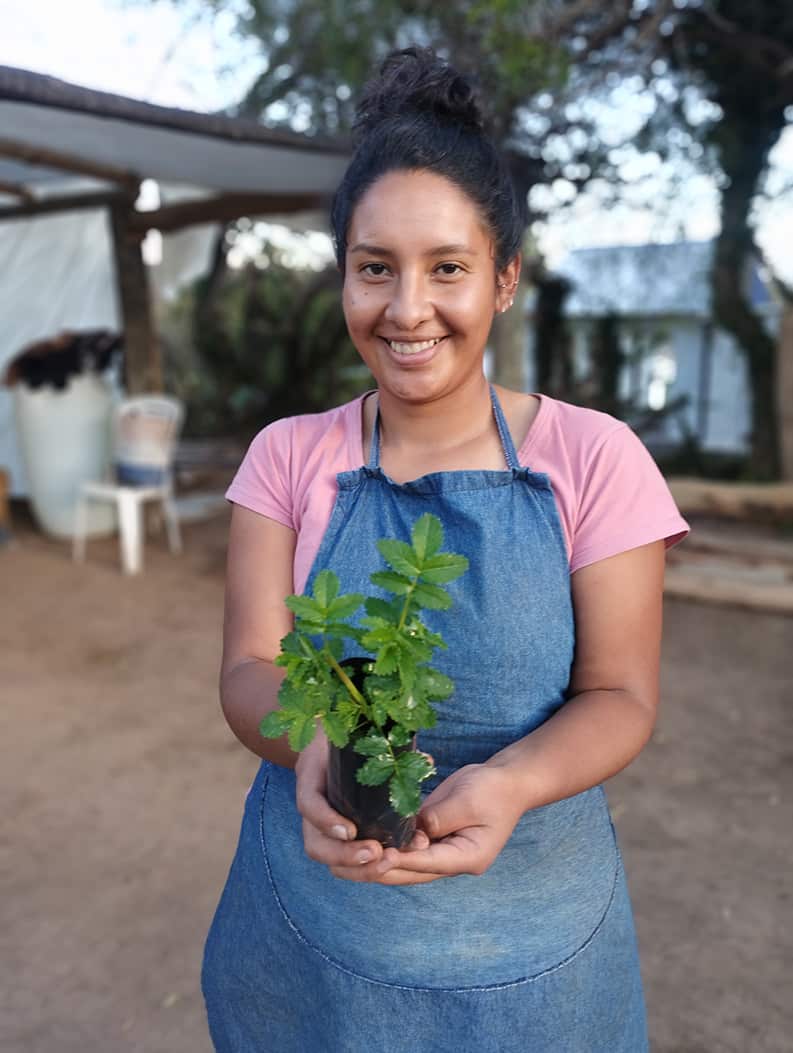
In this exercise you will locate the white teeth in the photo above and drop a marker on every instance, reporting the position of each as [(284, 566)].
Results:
[(412, 348)]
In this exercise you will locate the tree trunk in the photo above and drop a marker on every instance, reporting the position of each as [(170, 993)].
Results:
[(785, 391), (508, 340), (607, 361), (552, 346), (743, 159)]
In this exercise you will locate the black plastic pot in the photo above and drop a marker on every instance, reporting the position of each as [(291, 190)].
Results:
[(367, 806)]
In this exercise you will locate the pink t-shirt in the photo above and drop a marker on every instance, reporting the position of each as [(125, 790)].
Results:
[(609, 492)]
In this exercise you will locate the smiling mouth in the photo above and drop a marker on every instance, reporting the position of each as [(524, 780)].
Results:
[(412, 347)]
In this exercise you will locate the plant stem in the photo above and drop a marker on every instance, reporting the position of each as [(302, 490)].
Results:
[(339, 671), (406, 608)]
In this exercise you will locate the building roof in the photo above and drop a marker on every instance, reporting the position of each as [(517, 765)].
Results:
[(647, 281), (44, 121)]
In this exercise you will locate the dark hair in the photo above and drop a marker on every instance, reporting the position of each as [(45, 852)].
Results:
[(421, 114)]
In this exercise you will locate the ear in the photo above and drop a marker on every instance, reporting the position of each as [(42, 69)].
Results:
[(507, 284)]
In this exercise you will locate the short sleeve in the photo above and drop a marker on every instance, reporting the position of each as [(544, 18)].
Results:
[(624, 502), (262, 482)]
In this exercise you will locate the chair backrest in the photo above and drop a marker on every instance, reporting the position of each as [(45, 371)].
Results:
[(145, 431)]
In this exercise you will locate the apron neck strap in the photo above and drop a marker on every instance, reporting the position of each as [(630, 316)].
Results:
[(507, 445)]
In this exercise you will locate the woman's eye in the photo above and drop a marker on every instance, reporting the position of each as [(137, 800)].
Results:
[(448, 270), (375, 270)]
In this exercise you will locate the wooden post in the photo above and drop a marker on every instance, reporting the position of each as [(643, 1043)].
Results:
[(143, 366)]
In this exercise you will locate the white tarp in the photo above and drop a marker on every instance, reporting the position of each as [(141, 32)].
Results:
[(58, 273)]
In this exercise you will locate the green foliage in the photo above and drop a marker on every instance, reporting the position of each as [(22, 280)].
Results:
[(395, 698), (247, 346), (319, 53)]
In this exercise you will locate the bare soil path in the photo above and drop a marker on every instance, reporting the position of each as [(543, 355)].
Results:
[(123, 790)]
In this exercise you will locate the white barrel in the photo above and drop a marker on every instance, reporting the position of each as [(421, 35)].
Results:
[(65, 440)]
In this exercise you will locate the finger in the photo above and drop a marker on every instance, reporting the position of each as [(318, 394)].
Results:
[(335, 853), (397, 876), (444, 815), (457, 854), (419, 843), (387, 859), (313, 805)]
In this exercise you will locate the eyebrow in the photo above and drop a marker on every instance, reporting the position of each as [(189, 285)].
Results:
[(441, 250)]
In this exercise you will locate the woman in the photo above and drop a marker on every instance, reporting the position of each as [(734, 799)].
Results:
[(506, 925)]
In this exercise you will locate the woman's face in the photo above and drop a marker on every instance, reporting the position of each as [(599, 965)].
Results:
[(420, 285)]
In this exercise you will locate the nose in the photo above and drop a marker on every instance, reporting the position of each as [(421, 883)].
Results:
[(409, 304)]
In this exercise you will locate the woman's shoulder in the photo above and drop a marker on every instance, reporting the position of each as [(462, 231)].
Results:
[(561, 431), (310, 429), (292, 455), (574, 424), (610, 492)]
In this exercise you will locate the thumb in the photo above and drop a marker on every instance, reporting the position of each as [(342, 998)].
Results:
[(444, 816)]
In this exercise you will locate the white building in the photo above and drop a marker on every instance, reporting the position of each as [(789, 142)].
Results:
[(660, 296)]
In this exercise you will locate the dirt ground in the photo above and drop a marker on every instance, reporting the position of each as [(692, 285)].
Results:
[(123, 790)]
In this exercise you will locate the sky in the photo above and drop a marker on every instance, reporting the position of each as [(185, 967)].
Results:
[(162, 53)]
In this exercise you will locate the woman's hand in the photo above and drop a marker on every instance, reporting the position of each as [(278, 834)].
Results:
[(329, 837), (469, 819)]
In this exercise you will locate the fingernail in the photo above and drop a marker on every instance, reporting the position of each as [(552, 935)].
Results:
[(364, 856), (339, 832)]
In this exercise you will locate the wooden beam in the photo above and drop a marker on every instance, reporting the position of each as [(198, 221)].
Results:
[(16, 190), (66, 203), (221, 209), (218, 209), (37, 155), (142, 363)]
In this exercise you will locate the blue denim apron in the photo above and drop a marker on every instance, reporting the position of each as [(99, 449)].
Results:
[(537, 955)]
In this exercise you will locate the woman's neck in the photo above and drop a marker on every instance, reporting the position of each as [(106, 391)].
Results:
[(446, 422)]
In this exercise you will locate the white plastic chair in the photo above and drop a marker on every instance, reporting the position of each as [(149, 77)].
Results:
[(145, 430)]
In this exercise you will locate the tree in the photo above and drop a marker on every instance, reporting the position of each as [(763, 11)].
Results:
[(738, 57), (744, 55)]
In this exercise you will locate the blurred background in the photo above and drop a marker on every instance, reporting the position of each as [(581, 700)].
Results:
[(165, 172)]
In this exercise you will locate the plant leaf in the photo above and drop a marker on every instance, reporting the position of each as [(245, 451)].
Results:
[(427, 536), (387, 660), (399, 736), (434, 684), (301, 731), (343, 606), (415, 764), (306, 608), (274, 725), (379, 712), (326, 588), (376, 771), (443, 567), (391, 582), (290, 644), (347, 712), (405, 786), (336, 729), (388, 611), (432, 596), (372, 745), (400, 556)]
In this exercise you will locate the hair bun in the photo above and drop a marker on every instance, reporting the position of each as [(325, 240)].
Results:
[(416, 80)]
